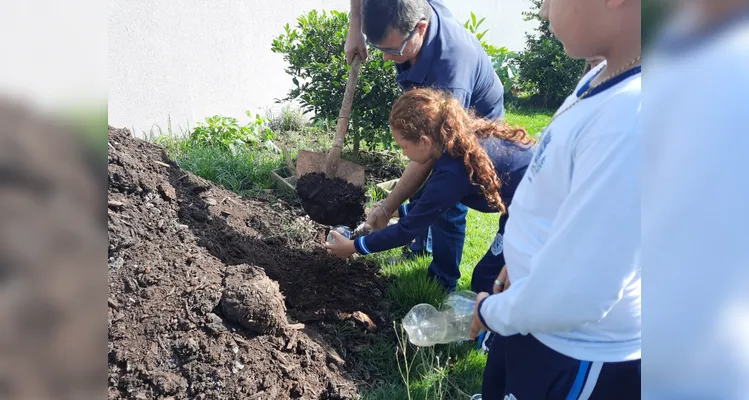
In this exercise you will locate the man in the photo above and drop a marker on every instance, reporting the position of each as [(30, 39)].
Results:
[(430, 48)]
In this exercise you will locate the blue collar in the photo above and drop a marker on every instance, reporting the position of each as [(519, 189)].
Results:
[(417, 72), (675, 43), (608, 84)]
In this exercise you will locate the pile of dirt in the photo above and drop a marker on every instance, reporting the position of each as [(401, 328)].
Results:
[(212, 296), (331, 201)]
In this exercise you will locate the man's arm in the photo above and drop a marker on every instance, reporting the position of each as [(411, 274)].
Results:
[(442, 191), (592, 252), (355, 40), (409, 183), (355, 16), (416, 174)]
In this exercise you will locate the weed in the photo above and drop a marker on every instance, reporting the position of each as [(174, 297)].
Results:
[(288, 119)]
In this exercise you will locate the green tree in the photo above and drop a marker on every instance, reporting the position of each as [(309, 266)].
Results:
[(545, 70), (314, 51)]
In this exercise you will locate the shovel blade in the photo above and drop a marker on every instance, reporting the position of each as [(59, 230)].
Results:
[(309, 161)]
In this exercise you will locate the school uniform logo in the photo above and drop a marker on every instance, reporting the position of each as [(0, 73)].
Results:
[(540, 156), (497, 245)]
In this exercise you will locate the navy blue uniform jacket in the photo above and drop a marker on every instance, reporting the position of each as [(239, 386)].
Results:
[(449, 184)]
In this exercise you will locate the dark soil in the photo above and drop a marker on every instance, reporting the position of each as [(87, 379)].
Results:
[(213, 296), (380, 166), (331, 201)]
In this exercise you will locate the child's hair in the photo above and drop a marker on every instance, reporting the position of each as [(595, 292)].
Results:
[(433, 113)]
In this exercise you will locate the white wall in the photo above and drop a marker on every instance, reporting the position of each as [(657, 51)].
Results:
[(191, 59)]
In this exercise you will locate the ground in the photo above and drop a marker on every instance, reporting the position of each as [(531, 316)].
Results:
[(185, 258), (186, 254)]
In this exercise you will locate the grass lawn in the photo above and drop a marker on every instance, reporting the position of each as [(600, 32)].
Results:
[(532, 120), (430, 378), (445, 371)]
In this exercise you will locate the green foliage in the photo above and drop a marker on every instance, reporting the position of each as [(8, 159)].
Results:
[(228, 135), (501, 57), (546, 71), (473, 26), (314, 51), (247, 171), (506, 68)]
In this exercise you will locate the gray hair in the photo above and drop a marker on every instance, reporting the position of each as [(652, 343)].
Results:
[(379, 16)]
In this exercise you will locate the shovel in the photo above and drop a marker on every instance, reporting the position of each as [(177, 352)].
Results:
[(331, 164)]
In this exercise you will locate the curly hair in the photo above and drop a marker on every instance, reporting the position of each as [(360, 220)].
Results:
[(438, 115)]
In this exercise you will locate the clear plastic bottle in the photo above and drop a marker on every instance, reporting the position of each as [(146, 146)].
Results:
[(345, 231), (427, 326)]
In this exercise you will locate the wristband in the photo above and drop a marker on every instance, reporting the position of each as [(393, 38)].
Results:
[(384, 210)]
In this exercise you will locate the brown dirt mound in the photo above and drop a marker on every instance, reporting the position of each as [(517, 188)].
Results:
[(331, 201), (207, 290)]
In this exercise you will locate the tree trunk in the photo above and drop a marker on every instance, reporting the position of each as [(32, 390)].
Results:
[(357, 139)]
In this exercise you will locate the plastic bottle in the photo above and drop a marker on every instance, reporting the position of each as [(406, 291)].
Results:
[(427, 326), (345, 231)]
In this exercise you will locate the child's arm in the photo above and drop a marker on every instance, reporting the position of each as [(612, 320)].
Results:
[(587, 262), (443, 190)]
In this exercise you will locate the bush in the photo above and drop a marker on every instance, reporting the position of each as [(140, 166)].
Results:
[(314, 51), (227, 135), (545, 71)]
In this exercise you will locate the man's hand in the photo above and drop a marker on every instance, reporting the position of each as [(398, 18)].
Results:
[(343, 248), (355, 44), (503, 279), (476, 325), (378, 218)]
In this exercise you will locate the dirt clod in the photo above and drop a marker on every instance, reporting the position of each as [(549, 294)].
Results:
[(253, 301), (331, 201)]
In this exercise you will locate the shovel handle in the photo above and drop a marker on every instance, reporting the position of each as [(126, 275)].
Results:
[(334, 155)]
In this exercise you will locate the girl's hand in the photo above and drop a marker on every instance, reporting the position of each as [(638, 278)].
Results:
[(343, 248), (476, 325)]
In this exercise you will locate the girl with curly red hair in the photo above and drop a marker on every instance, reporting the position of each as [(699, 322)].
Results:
[(477, 162)]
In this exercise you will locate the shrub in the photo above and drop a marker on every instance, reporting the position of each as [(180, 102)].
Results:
[(545, 71), (227, 135), (314, 51)]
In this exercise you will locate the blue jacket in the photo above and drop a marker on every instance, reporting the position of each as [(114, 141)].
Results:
[(452, 59), (449, 184)]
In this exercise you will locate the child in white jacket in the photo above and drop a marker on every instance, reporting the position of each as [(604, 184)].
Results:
[(568, 320)]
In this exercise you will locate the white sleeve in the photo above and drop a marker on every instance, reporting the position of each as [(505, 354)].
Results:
[(590, 255)]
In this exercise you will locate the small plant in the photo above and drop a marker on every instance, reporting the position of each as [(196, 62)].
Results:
[(401, 352), (505, 65), (228, 135), (502, 59), (473, 26)]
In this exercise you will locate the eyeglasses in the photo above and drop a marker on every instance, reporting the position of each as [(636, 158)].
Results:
[(398, 52)]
